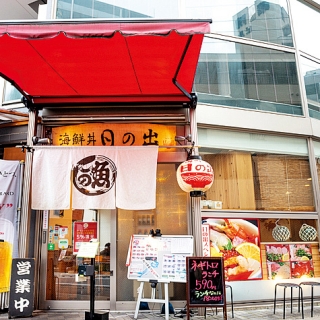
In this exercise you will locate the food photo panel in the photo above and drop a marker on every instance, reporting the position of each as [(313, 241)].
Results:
[(278, 261), (238, 242), (301, 261)]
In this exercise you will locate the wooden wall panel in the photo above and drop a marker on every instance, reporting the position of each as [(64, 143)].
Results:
[(13, 153), (233, 180)]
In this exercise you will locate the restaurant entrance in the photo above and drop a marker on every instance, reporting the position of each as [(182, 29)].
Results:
[(64, 231)]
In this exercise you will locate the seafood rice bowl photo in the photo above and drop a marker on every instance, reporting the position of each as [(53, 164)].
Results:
[(237, 241)]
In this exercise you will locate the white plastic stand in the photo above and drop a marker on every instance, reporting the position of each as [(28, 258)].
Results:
[(153, 298)]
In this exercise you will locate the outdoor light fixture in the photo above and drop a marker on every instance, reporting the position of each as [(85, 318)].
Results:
[(182, 138), (37, 140), (195, 175)]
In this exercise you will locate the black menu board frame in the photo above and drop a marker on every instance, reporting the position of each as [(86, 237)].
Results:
[(205, 283)]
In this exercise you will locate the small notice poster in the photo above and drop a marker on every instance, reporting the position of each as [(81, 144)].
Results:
[(83, 232), (88, 249)]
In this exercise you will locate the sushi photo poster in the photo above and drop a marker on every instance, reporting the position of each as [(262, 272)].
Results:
[(289, 261)]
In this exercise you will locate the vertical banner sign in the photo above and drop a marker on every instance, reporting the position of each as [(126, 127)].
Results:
[(22, 288), (83, 232), (205, 284), (9, 195)]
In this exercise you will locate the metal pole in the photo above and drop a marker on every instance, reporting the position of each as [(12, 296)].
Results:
[(25, 206), (195, 201), (92, 290), (22, 164)]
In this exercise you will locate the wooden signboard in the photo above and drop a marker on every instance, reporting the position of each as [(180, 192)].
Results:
[(205, 283)]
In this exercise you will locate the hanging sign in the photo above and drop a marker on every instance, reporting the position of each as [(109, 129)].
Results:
[(102, 134)]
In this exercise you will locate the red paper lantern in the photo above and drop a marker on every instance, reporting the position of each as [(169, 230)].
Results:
[(195, 176)]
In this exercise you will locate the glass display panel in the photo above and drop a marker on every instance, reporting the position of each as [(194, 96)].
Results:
[(170, 216), (245, 76), (67, 229)]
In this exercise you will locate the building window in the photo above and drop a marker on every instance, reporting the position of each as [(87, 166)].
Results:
[(311, 77), (245, 76), (272, 174), (11, 93)]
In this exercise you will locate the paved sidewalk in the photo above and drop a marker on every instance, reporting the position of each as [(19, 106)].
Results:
[(240, 313)]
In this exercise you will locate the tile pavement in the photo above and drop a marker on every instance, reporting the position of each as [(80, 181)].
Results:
[(251, 312)]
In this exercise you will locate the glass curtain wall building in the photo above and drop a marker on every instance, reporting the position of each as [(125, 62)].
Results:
[(258, 122)]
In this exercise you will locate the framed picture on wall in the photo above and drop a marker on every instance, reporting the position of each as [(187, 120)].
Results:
[(238, 242)]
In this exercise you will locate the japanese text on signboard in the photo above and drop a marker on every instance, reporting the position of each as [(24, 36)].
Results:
[(22, 288), (205, 281)]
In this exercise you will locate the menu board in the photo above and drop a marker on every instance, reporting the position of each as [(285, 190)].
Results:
[(205, 282), (159, 258)]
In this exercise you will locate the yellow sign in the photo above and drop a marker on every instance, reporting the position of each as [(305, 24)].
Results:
[(101, 134), (5, 265)]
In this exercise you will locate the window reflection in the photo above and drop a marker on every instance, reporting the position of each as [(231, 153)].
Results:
[(11, 93), (306, 24), (260, 20), (249, 77), (311, 76)]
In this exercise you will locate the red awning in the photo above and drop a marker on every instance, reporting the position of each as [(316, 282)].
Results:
[(102, 61)]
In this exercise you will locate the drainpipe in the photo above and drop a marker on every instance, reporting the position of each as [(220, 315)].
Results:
[(25, 205)]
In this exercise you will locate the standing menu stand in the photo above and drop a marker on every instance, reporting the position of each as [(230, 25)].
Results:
[(205, 283), (153, 297), (156, 260), (89, 250)]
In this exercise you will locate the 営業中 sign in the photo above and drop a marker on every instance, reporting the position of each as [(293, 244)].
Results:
[(21, 302)]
